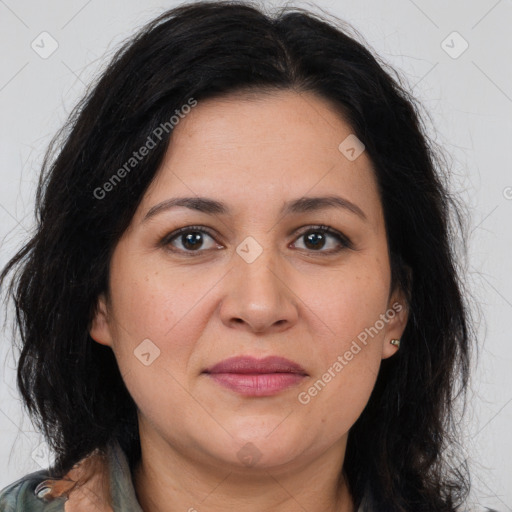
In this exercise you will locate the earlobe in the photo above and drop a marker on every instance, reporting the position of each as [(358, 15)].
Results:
[(398, 314), (100, 329)]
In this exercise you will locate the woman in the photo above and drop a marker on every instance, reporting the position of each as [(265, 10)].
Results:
[(242, 291)]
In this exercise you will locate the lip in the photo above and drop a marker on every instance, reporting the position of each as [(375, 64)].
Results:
[(249, 364), (250, 376)]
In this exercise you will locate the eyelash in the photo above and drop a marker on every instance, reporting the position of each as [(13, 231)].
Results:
[(342, 239)]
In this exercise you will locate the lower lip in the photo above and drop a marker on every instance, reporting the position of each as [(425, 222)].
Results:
[(262, 384)]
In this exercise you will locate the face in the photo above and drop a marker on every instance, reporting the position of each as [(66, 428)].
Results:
[(255, 275)]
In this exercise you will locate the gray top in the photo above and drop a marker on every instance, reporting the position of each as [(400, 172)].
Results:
[(30, 493)]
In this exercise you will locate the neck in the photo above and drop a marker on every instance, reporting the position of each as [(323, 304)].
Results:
[(166, 480)]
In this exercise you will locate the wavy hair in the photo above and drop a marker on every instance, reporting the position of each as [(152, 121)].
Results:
[(396, 451)]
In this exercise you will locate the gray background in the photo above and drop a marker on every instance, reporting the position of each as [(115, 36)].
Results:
[(469, 97)]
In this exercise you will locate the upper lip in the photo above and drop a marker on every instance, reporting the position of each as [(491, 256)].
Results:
[(249, 364)]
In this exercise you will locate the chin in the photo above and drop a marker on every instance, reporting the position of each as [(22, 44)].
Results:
[(264, 452)]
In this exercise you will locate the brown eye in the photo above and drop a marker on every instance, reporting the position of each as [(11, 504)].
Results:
[(320, 237), (189, 239)]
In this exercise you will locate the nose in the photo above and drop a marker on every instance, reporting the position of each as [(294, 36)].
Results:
[(259, 295)]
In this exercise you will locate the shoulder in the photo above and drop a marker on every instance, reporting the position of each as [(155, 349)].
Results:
[(86, 486), (25, 496)]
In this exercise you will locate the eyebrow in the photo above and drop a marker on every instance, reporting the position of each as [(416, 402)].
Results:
[(296, 206)]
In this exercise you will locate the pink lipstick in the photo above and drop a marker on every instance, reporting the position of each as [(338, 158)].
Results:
[(250, 376)]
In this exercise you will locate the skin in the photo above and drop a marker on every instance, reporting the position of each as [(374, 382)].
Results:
[(295, 300)]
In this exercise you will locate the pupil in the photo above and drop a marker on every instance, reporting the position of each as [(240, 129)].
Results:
[(191, 239), (314, 238)]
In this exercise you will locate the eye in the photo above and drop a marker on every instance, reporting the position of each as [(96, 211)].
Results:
[(191, 239), (318, 237)]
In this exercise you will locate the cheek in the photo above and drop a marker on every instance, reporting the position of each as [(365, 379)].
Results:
[(159, 316), (349, 302), (342, 383), (338, 397), (156, 304), (349, 354), (157, 319)]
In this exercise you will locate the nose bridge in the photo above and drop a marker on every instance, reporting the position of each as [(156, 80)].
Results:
[(258, 294), (258, 263)]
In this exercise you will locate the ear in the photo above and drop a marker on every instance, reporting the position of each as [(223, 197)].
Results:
[(397, 315), (100, 329)]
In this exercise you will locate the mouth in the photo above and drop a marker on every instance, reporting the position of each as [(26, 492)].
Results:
[(250, 376)]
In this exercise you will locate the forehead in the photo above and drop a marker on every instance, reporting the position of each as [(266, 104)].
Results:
[(261, 150)]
